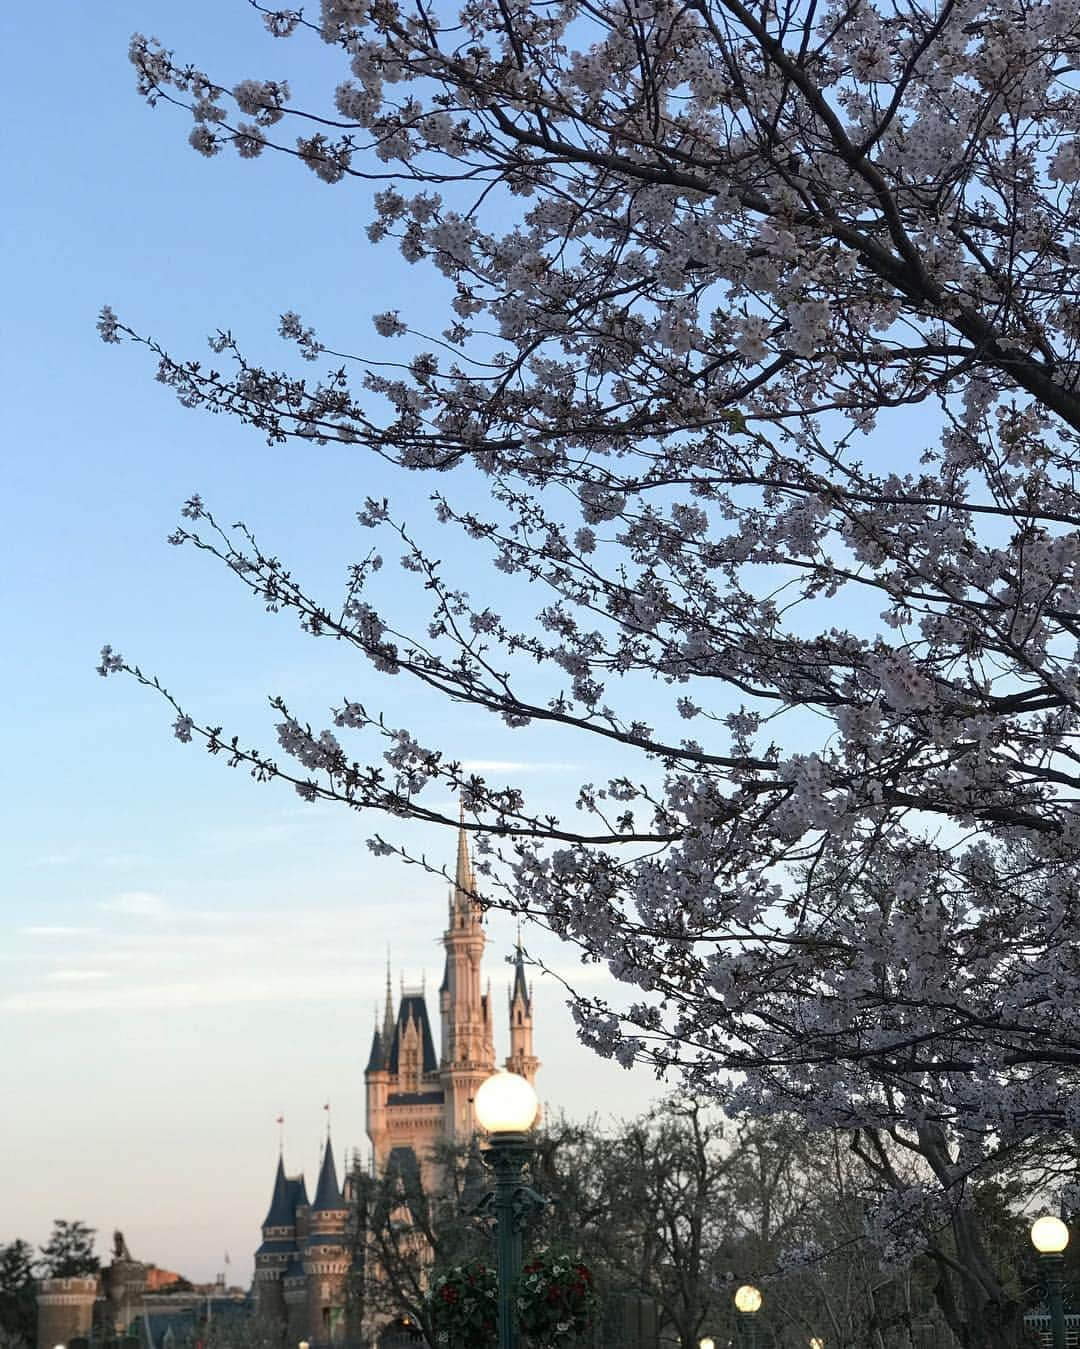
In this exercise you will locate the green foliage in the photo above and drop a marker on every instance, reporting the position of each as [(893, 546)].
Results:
[(17, 1307), (69, 1252), (462, 1306), (556, 1300)]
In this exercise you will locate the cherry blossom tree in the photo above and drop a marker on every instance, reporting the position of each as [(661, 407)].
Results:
[(763, 338)]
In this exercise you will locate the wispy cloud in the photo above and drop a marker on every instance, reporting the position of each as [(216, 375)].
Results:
[(211, 992), (75, 976), (138, 904), (122, 860), (90, 857), (55, 930), (54, 859)]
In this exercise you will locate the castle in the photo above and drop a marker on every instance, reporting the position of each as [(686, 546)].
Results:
[(414, 1100)]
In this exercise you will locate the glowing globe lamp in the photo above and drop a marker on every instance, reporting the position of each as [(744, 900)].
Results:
[(747, 1299), (707, 1343), (506, 1104), (1049, 1235), (816, 1342)]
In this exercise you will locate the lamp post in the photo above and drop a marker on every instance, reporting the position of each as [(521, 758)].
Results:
[(707, 1343), (506, 1107), (747, 1306), (1050, 1236)]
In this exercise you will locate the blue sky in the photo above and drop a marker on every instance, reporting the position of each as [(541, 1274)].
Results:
[(186, 954)]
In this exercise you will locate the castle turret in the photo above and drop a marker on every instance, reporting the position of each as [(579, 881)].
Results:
[(279, 1247), (65, 1309), (468, 1053), (521, 1059), (377, 1084), (297, 1313), (124, 1282), (327, 1255)]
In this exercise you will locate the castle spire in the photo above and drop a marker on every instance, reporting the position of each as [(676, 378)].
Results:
[(521, 1060), (463, 876), (520, 989), (468, 1054), (388, 1013), (328, 1192), (279, 1214)]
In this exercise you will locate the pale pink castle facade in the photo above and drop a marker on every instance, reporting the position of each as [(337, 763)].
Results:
[(416, 1098)]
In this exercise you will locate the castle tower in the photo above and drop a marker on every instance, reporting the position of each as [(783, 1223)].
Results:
[(468, 1046), (377, 1084), (521, 1059), (279, 1251), (327, 1256), (65, 1309), (294, 1287), (124, 1283)]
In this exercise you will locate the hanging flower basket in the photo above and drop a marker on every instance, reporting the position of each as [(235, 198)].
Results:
[(462, 1305), (556, 1301)]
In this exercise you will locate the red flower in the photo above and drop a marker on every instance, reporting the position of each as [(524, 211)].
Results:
[(553, 1293)]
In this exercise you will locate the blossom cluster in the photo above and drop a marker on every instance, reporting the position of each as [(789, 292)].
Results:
[(706, 283)]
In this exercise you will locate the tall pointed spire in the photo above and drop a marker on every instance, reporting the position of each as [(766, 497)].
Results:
[(280, 1213), (388, 1013), (464, 879), (521, 1060), (520, 987), (327, 1192)]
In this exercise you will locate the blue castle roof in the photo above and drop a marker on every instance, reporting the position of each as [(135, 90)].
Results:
[(376, 1057), (414, 1008), (328, 1195), (289, 1194)]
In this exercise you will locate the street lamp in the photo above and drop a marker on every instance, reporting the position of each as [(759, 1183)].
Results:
[(1050, 1236), (506, 1107), (747, 1306), (816, 1342), (303, 1345), (707, 1343)]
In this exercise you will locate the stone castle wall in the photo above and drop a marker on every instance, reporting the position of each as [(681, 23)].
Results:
[(65, 1310)]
